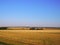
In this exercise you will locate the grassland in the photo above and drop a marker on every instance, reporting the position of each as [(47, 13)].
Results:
[(29, 37)]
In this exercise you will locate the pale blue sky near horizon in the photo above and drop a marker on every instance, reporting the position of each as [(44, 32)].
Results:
[(44, 13)]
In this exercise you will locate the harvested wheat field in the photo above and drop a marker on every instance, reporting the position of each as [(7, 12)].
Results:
[(29, 37)]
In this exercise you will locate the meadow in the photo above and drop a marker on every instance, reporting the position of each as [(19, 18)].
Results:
[(29, 37)]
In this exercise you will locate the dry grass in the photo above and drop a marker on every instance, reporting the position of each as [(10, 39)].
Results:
[(29, 37)]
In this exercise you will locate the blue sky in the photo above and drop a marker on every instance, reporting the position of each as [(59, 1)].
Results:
[(30, 13)]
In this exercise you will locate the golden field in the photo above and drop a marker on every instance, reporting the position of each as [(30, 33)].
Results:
[(29, 37)]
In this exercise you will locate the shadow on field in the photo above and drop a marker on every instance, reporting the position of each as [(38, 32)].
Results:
[(2, 43)]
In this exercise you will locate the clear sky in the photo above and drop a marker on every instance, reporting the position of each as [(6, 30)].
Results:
[(30, 13)]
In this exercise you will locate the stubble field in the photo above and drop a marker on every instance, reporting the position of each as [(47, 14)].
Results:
[(29, 37)]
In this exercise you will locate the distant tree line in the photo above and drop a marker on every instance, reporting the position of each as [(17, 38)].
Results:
[(3, 28), (31, 28), (34, 28)]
